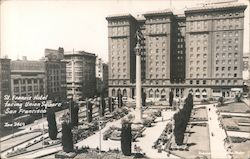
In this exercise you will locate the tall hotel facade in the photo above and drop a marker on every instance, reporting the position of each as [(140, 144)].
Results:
[(199, 52)]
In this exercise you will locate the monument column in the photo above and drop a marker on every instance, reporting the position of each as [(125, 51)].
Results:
[(138, 110)]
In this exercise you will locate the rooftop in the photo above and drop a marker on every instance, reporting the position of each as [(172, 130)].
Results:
[(79, 53), (216, 7)]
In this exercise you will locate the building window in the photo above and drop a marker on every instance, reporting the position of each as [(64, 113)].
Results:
[(235, 62), (16, 81), (217, 55), (191, 82), (235, 75), (217, 68), (229, 68), (235, 68), (204, 81), (197, 82)]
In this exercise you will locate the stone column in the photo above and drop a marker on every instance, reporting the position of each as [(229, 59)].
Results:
[(138, 110)]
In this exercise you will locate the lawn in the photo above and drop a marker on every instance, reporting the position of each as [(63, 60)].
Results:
[(241, 150), (233, 121), (234, 108), (198, 143), (200, 113)]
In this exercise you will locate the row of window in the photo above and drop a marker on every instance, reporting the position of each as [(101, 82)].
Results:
[(198, 49), (223, 75), (157, 76), (28, 88), (198, 75), (198, 55), (225, 48), (230, 27), (229, 55), (227, 41), (198, 62), (117, 22), (118, 58), (118, 31), (216, 81), (224, 68), (157, 28), (228, 33), (198, 42), (223, 62), (27, 81), (157, 57)]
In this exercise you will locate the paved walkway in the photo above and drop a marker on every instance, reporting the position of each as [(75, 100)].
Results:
[(145, 143), (247, 101), (152, 134), (218, 150)]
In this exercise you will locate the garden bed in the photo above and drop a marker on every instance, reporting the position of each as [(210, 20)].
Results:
[(234, 122), (241, 150), (234, 108), (199, 114), (197, 142)]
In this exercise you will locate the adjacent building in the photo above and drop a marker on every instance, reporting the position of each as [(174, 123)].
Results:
[(101, 77), (198, 52), (28, 78), (56, 74), (5, 84), (81, 74)]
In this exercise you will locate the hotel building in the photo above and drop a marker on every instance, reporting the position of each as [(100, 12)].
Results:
[(199, 52)]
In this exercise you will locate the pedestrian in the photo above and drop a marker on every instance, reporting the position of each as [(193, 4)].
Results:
[(209, 109)]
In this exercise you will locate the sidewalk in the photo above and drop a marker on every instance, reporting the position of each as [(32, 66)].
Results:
[(217, 139)]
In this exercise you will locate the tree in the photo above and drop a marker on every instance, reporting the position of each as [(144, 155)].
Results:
[(171, 97), (126, 138), (238, 97), (103, 105), (221, 100), (67, 138), (143, 99), (120, 103), (89, 111), (181, 120), (74, 114), (51, 118), (111, 104)]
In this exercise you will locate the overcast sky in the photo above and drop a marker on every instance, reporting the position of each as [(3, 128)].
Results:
[(30, 26)]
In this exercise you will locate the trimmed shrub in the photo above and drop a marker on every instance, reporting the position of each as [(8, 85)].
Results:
[(126, 138), (67, 138), (51, 118)]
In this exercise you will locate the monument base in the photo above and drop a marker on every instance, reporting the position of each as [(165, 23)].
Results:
[(138, 116)]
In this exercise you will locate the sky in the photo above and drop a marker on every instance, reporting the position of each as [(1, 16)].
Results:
[(30, 26)]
